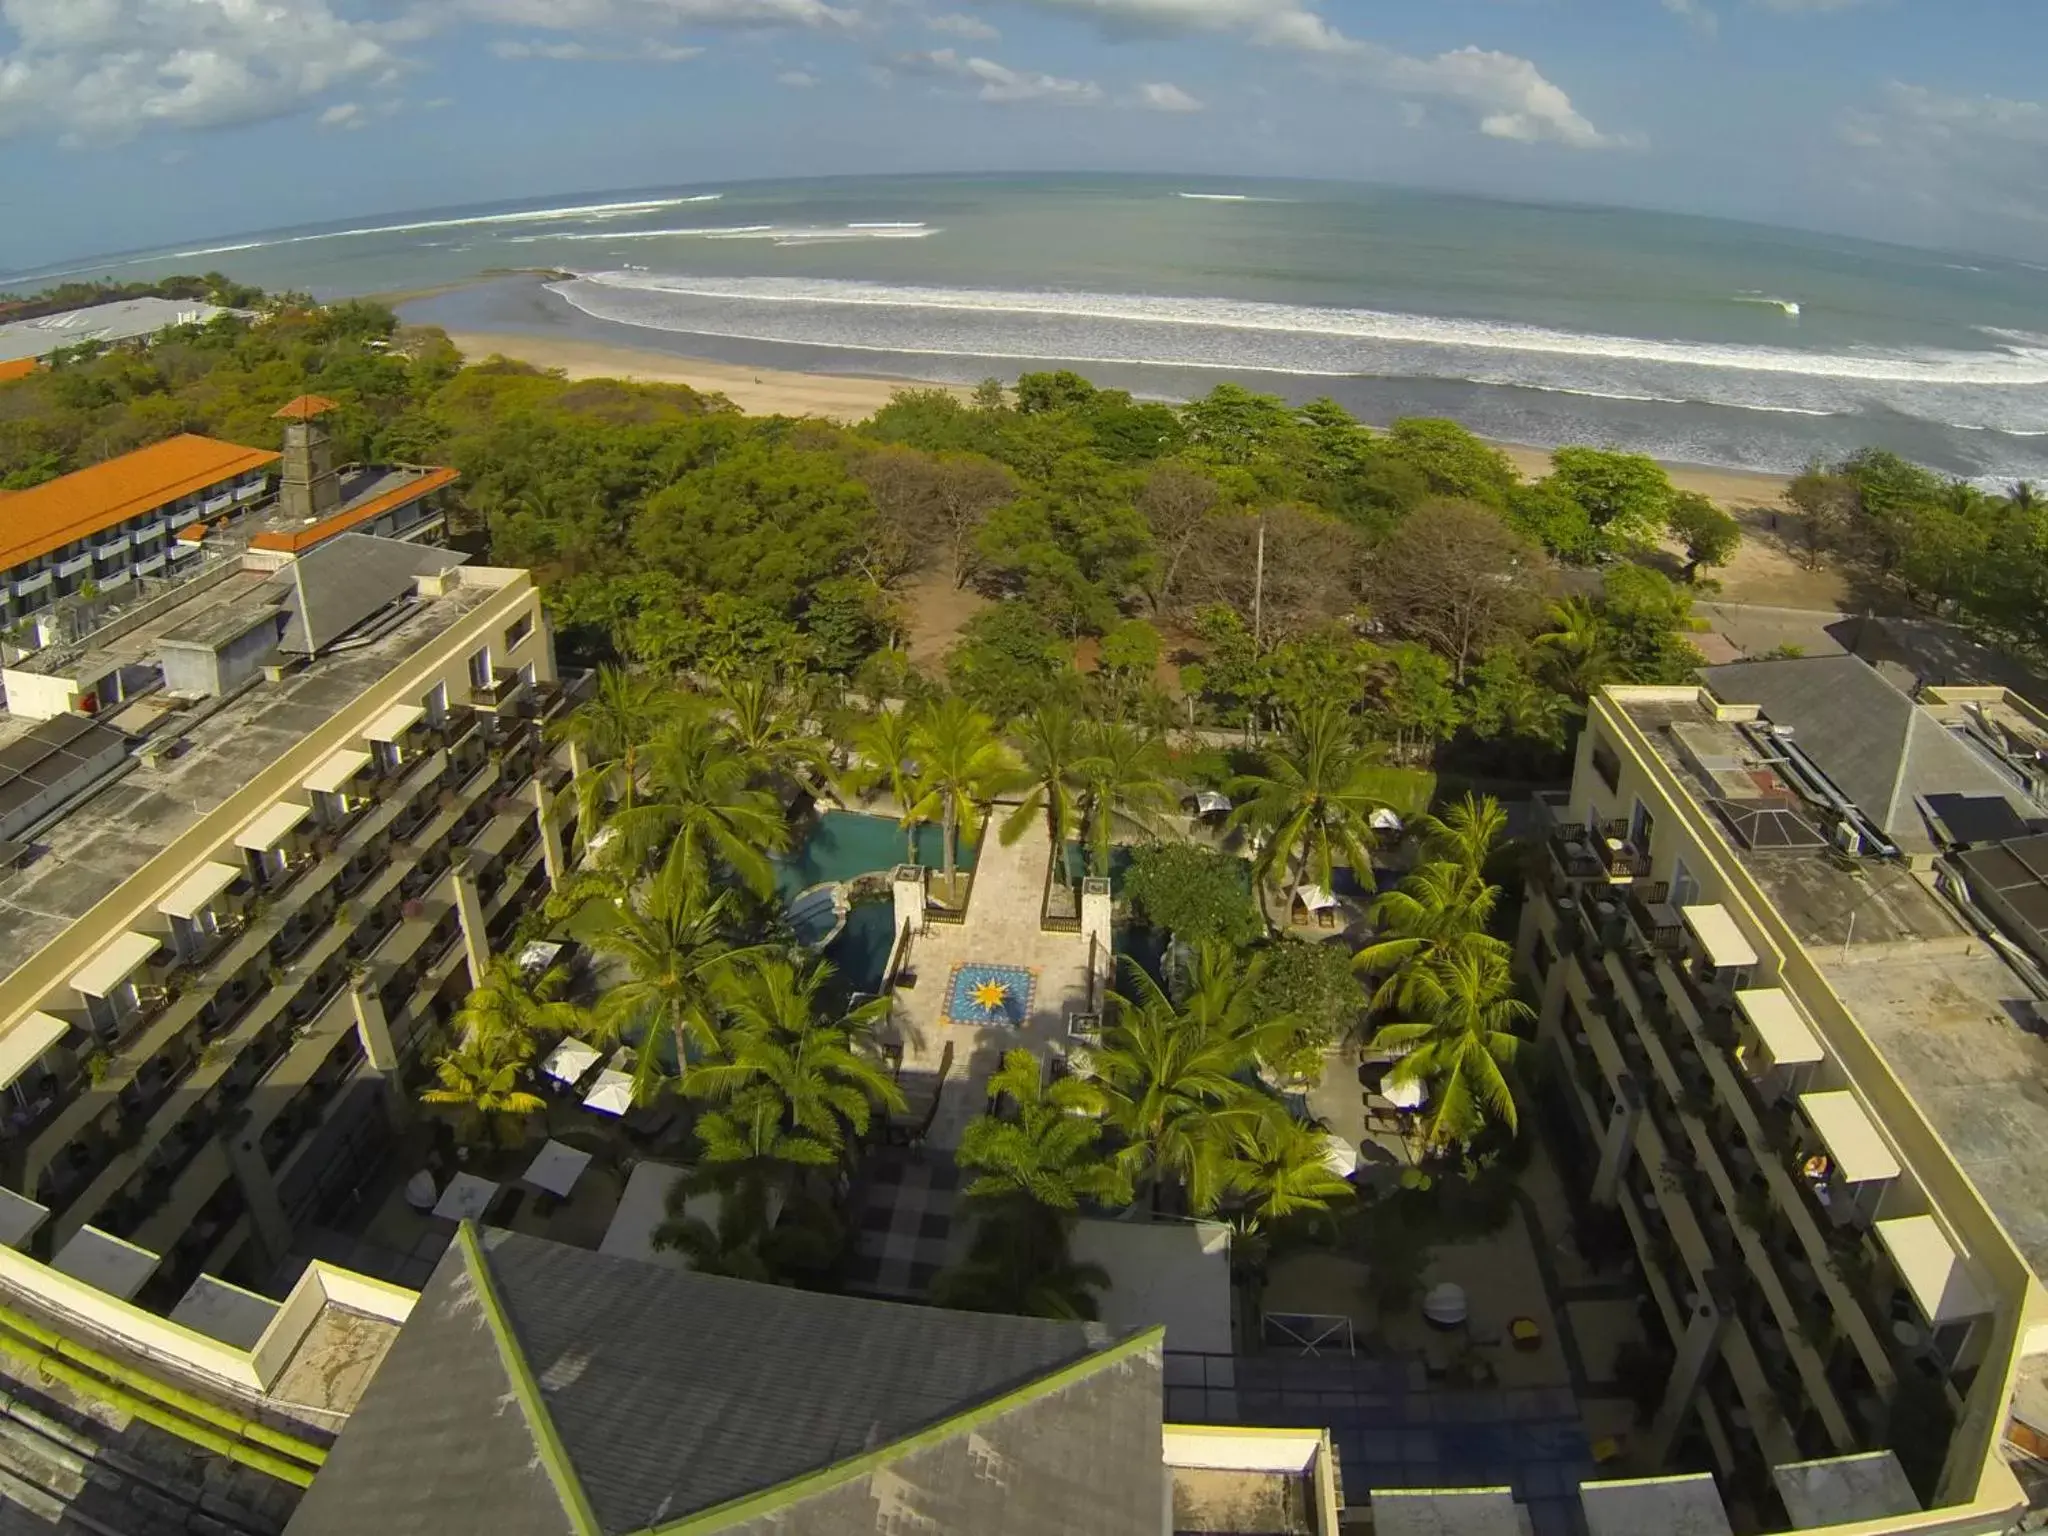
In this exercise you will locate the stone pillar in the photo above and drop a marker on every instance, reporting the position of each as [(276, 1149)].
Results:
[(550, 834), (579, 760), (1696, 1350), (1095, 918), (469, 910), (267, 1222), (1618, 1141), (379, 1050), (908, 884)]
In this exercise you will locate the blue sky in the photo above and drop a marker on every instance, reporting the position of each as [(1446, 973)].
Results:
[(131, 123)]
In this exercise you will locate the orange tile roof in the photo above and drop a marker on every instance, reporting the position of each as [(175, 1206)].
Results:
[(306, 407), (51, 515), (305, 538), (18, 368)]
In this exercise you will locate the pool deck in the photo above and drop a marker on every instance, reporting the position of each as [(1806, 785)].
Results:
[(1001, 929)]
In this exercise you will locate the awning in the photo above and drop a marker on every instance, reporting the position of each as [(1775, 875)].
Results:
[(265, 832), (570, 1062), (612, 1093), (1921, 1254), (1723, 942), (392, 725), (335, 770), (1210, 802), (1384, 820), (466, 1198), (557, 1168), (22, 1046), (1778, 1024), (1339, 1156), (1852, 1141), (197, 889), (106, 1263), (1314, 897), (115, 963)]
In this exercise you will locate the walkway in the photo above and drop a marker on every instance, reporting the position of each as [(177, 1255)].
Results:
[(1001, 930)]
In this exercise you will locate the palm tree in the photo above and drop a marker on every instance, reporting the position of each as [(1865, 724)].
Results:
[(1577, 644), (758, 1232), (2024, 496), (480, 1076), (779, 1050), (1221, 994), (960, 762), (1278, 1169), (608, 730), (670, 933), (1169, 1086), (1044, 1147), (884, 748), (759, 723), (1125, 774), (1313, 804), (1019, 1262), (703, 804), (1461, 1042), (1468, 832), (512, 1006), (1050, 742), (1439, 909)]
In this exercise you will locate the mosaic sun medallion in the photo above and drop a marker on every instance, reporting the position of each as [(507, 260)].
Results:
[(981, 996)]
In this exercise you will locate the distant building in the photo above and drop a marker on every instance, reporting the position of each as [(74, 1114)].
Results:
[(120, 320), (316, 500)]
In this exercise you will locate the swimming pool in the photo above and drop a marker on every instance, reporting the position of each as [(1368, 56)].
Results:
[(843, 844)]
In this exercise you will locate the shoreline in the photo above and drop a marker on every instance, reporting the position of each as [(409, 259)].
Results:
[(849, 397)]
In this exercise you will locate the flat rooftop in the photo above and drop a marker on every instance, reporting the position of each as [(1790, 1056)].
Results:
[(103, 839), (1827, 899), (118, 320)]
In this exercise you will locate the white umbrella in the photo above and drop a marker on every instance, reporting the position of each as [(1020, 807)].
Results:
[(420, 1193), (1209, 802), (1408, 1094), (1445, 1305), (611, 1094), (557, 1168), (466, 1197), (1384, 820), (570, 1062), (1339, 1156)]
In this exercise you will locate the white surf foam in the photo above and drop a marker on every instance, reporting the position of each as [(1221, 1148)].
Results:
[(1788, 306)]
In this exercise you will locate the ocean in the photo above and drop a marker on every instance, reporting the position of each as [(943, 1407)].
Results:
[(1697, 340)]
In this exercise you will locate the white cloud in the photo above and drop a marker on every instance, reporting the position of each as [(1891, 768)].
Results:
[(998, 82), (1974, 158), (1694, 15), (957, 24), (343, 114), (1796, 7), (105, 70), (797, 79), (640, 53), (1165, 96), (580, 15), (1508, 95)]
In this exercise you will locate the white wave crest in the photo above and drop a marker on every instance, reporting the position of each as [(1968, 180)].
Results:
[(778, 233), (1789, 306)]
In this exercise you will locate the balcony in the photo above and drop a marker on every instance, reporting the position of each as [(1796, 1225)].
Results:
[(503, 689)]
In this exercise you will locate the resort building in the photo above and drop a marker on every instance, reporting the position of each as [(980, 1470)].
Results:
[(1786, 934), (117, 320), (233, 900)]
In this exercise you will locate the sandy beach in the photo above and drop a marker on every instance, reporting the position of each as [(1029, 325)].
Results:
[(848, 397)]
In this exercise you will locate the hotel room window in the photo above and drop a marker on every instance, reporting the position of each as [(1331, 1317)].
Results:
[(480, 668), (516, 633)]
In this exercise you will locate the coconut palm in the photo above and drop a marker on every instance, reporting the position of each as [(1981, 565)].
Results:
[(1460, 1043), (511, 1005), (608, 731), (1019, 1262), (480, 1077), (1439, 909), (1278, 1168), (1313, 804), (960, 762), (671, 935), (1467, 833), (1578, 647), (1220, 992), (780, 1049), (2024, 496), (1169, 1086), (759, 722), (757, 1233), (1124, 774), (884, 750), (1050, 741), (1043, 1145), (702, 805)]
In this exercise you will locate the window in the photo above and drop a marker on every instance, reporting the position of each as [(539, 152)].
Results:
[(1607, 765), (436, 704), (1640, 824), (1685, 891), (480, 669), (520, 628)]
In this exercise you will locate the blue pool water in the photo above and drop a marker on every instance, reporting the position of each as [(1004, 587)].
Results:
[(843, 844)]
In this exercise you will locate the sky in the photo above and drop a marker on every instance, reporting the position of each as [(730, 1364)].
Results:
[(127, 124)]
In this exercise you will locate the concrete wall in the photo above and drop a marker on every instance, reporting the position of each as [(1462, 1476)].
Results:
[(32, 696)]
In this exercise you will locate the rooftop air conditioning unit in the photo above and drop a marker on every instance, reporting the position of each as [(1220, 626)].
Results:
[(1847, 837), (1783, 732)]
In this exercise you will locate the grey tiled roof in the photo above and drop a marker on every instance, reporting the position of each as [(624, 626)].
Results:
[(671, 1393), (1881, 749), (336, 585)]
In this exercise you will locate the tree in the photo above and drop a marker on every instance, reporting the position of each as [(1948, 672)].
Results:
[(754, 1234), (767, 728), (608, 731), (510, 1005), (1049, 739), (1176, 502), (480, 1077), (1457, 578), (1644, 615), (1312, 804), (1451, 461), (1124, 774), (1039, 1143), (1627, 496), (1192, 893), (884, 747), (1279, 1167), (780, 1051), (1312, 987), (1018, 1262), (960, 763), (703, 806), (1008, 660), (1576, 648), (1709, 535), (968, 488), (1460, 1042), (1442, 909), (1129, 656)]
